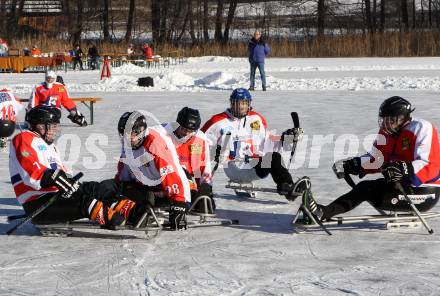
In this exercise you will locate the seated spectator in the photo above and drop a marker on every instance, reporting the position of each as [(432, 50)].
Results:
[(3, 48), (148, 51), (35, 52), (26, 52), (93, 57)]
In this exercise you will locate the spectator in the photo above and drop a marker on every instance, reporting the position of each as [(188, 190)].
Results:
[(258, 50), (148, 51), (130, 50), (26, 52), (3, 48), (77, 57), (35, 52), (94, 57)]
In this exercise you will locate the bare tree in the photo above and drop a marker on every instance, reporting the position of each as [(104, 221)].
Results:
[(231, 13), (155, 19), (130, 21), (76, 36), (163, 21), (382, 16), (219, 21), (105, 27), (404, 11), (191, 22), (368, 19), (430, 13), (321, 17), (205, 21)]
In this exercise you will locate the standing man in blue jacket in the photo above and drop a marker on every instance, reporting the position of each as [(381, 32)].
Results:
[(258, 50)]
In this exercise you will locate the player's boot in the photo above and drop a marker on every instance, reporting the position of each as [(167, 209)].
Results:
[(310, 204), (292, 190), (104, 215), (123, 207)]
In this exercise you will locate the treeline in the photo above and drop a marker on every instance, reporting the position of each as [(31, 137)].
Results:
[(204, 24)]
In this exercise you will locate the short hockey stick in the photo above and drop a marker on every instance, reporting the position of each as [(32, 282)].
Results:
[(40, 209), (413, 207)]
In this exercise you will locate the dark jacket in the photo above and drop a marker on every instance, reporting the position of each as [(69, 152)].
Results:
[(257, 50), (77, 53), (93, 52)]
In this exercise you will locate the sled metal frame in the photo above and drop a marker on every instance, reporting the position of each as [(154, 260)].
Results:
[(392, 220), (148, 223), (207, 216), (251, 189), (151, 223)]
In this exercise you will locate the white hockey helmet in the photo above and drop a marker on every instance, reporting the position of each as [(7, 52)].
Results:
[(50, 74)]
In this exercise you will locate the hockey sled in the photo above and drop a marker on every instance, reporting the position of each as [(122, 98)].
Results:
[(150, 225), (249, 189), (386, 221)]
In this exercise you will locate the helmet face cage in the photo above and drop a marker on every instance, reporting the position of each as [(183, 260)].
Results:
[(391, 125), (240, 108), (394, 113), (45, 121), (132, 126), (240, 102)]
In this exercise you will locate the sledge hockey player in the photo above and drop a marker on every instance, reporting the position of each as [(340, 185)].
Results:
[(193, 150), (252, 153), (150, 162), (9, 108), (37, 174), (52, 93), (406, 151)]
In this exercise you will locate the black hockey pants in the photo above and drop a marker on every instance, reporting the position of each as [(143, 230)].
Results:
[(75, 207), (382, 196), (272, 163)]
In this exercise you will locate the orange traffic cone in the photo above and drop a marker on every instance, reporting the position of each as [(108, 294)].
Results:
[(105, 73)]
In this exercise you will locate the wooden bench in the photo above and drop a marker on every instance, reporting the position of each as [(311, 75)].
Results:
[(89, 106)]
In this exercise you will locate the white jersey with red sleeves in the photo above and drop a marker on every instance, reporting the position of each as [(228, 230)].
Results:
[(417, 143), (155, 162), (193, 152), (29, 157), (9, 105), (57, 95), (249, 137)]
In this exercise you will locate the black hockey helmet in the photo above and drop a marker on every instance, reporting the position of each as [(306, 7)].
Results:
[(395, 106), (394, 113), (135, 119), (43, 115), (189, 118)]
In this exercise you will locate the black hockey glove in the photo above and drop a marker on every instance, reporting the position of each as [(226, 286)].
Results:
[(291, 136), (177, 216), (58, 178), (350, 166), (398, 171), (77, 118)]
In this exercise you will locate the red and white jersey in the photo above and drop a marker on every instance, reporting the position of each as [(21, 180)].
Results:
[(417, 143), (57, 96), (29, 157), (193, 153), (155, 162), (9, 105), (249, 137)]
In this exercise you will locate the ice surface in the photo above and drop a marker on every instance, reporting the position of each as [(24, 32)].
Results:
[(335, 98)]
